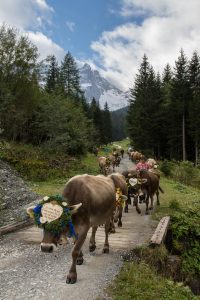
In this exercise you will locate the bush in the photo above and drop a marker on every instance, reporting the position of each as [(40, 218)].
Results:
[(186, 237), (166, 167)]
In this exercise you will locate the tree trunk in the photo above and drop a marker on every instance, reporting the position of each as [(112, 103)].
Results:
[(183, 137), (196, 153)]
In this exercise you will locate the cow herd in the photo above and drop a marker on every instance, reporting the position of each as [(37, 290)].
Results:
[(96, 200)]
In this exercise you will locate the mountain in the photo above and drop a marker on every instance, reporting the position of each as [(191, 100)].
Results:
[(94, 85)]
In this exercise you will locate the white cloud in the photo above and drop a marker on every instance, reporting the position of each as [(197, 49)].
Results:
[(166, 27), (45, 45), (24, 14), (31, 16), (70, 25)]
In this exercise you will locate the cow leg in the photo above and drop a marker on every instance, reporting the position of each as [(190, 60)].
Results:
[(120, 217), (126, 206), (106, 244), (147, 205), (92, 245), (79, 260), (151, 206), (157, 195), (72, 276), (135, 202), (112, 225)]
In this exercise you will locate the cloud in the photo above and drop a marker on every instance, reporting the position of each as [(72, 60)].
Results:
[(45, 45), (164, 28), (31, 17), (70, 25), (25, 14)]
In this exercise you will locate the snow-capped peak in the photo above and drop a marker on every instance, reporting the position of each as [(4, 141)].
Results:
[(95, 86)]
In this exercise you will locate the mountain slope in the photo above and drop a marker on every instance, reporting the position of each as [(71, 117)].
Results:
[(94, 85)]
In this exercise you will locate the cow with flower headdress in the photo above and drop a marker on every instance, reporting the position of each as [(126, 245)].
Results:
[(87, 201)]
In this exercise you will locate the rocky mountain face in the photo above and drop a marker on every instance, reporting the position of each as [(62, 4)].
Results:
[(94, 85), (14, 196)]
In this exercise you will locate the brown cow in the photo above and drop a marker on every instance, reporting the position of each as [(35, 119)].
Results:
[(104, 165), (114, 161), (136, 156), (97, 195), (150, 187)]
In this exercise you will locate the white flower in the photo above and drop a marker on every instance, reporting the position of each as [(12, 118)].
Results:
[(43, 220), (45, 198), (64, 203)]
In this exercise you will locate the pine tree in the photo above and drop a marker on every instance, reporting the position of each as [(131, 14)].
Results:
[(194, 106), (107, 125), (179, 107), (69, 77), (52, 75), (166, 86), (143, 115)]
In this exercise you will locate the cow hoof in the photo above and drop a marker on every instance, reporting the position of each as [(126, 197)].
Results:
[(79, 261), (138, 211), (92, 248), (158, 203), (112, 230), (151, 207), (105, 250), (71, 279), (146, 213), (119, 224)]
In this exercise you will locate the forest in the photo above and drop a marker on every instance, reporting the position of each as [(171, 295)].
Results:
[(163, 116), (41, 103)]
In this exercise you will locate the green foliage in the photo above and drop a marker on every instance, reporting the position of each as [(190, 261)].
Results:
[(186, 237), (34, 163), (174, 204), (140, 281), (185, 172), (166, 167)]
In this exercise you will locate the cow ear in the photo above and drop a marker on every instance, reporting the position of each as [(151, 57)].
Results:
[(74, 208), (29, 211)]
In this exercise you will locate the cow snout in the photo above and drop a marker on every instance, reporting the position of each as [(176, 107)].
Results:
[(48, 248)]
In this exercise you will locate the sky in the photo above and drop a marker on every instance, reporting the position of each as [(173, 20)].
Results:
[(111, 35)]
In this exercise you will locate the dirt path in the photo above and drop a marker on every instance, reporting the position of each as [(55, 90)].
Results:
[(27, 273)]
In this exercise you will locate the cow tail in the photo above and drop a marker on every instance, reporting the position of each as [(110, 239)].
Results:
[(161, 190)]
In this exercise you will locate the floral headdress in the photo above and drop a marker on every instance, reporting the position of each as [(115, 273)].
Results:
[(52, 214)]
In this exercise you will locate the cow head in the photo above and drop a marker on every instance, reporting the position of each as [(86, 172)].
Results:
[(135, 184), (54, 217)]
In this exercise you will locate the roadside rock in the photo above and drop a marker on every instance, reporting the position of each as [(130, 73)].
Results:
[(14, 196)]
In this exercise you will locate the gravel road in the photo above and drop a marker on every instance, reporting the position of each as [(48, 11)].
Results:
[(27, 273)]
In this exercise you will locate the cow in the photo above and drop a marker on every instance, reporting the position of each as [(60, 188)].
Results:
[(133, 184), (150, 187), (104, 164), (122, 152), (120, 183), (130, 149), (114, 160), (136, 156), (153, 166), (92, 202)]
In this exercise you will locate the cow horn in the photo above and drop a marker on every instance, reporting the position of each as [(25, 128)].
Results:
[(74, 208), (124, 197), (142, 180), (29, 211)]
